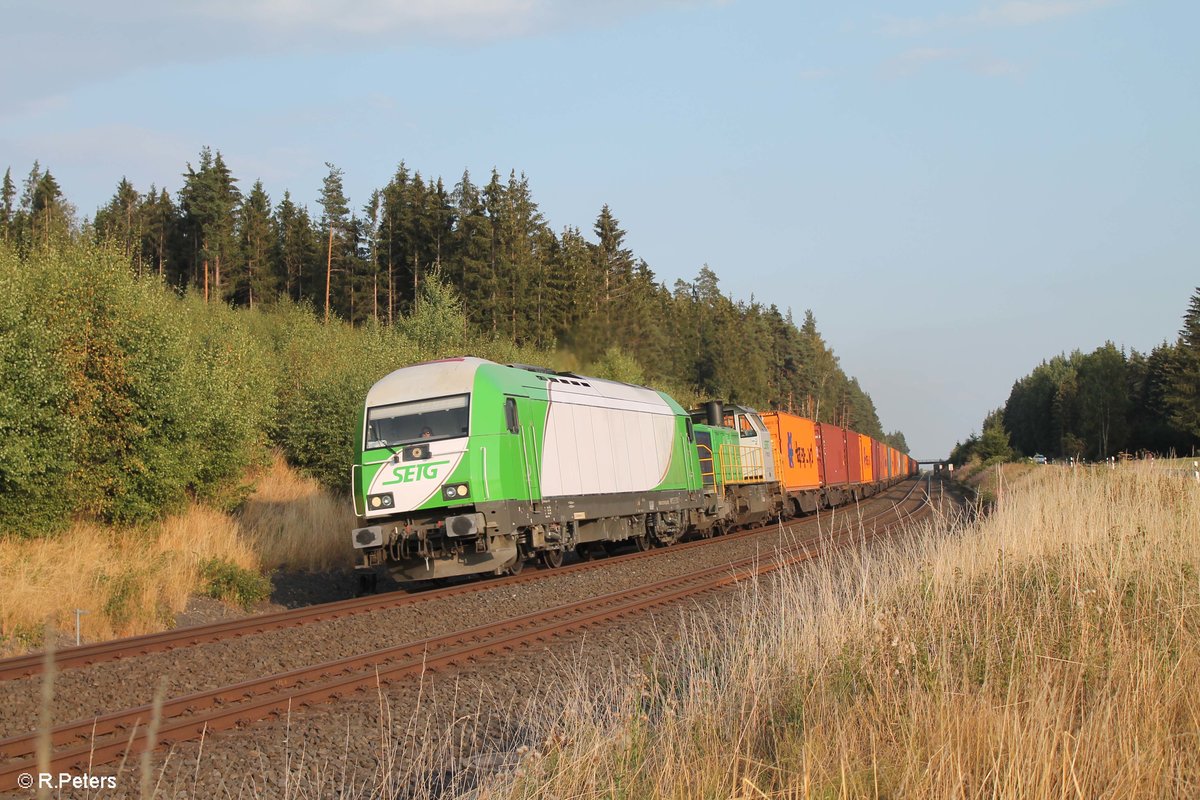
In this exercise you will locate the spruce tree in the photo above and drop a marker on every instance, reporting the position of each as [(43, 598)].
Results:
[(160, 233), (1183, 397), (8, 193), (50, 214), (471, 248), (208, 201), (371, 232), (255, 279), (296, 244), (119, 221)]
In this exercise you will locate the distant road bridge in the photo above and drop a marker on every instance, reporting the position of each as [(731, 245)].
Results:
[(935, 464)]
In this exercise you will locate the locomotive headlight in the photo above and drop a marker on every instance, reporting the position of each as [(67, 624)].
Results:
[(378, 502), (456, 491)]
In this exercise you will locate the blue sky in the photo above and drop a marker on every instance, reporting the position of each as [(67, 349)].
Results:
[(958, 190)]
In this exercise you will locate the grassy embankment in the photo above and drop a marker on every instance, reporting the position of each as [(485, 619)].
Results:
[(1052, 649), (135, 579)]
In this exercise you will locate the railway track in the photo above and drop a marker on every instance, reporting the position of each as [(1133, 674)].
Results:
[(88, 742), (134, 646)]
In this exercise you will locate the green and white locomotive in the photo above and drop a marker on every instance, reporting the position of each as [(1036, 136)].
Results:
[(467, 466)]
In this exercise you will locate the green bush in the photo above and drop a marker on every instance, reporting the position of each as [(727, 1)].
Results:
[(36, 429), (117, 398), (223, 580), (111, 384), (120, 400), (617, 365), (325, 371), (233, 397)]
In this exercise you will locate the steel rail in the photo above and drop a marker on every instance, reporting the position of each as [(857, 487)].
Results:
[(191, 716), (134, 646)]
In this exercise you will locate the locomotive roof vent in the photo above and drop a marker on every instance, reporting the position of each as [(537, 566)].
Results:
[(531, 368)]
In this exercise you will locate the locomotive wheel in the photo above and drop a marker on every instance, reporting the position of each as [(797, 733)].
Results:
[(551, 559), (642, 543), (718, 530), (586, 552), (516, 566)]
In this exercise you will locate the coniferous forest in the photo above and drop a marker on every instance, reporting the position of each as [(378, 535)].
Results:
[(1100, 404), (167, 341)]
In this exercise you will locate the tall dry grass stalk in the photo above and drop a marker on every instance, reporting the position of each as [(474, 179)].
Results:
[(134, 581), (1052, 650)]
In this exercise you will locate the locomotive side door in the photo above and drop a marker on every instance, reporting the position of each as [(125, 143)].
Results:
[(523, 418)]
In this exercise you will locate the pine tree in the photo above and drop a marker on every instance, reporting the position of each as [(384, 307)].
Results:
[(334, 220)]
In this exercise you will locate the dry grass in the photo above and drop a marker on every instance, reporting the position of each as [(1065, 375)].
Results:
[(136, 580), (1051, 651), (292, 522), (129, 580)]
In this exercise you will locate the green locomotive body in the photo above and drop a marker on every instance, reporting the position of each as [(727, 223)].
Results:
[(468, 466)]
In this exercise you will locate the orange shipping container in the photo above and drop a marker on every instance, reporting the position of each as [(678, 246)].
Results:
[(796, 447), (864, 454)]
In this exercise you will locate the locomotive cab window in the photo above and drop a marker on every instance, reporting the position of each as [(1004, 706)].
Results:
[(745, 429), (420, 420)]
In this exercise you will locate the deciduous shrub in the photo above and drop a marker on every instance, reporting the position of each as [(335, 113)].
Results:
[(118, 399)]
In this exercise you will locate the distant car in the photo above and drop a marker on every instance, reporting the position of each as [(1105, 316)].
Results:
[(1038, 458)]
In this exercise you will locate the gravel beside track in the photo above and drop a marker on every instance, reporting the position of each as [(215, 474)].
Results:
[(430, 737), (254, 759), (88, 691)]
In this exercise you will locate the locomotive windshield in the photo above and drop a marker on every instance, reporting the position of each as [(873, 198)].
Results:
[(420, 420)]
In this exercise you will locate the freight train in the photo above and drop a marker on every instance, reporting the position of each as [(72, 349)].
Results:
[(465, 466)]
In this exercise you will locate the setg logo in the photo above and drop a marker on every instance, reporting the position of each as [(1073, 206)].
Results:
[(410, 473)]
